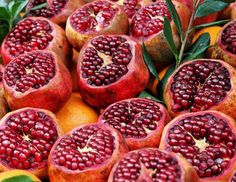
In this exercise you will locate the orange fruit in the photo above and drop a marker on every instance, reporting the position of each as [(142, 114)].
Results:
[(75, 113), (18, 176)]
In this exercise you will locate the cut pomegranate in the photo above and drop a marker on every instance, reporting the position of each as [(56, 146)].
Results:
[(37, 79), (86, 154), (207, 140), (140, 121), (152, 164), (57, 10), (96, 18), (26, 138), (225, 47), (200, 85), (111, 68), (35, 33), (147, 26)]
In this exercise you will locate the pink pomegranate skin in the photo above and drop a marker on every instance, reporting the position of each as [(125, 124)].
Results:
[(55, 39)]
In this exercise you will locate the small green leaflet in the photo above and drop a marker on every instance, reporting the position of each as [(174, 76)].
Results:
[(221, 22), (20, 178), (145, 94)]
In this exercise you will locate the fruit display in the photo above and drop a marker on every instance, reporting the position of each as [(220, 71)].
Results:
[(117, 91)]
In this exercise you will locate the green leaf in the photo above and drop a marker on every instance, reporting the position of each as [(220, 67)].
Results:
[(221, 22), (175, 17), (169, 37), (145, 94), (20, 178), (3, 31), (10, 5), (43, 5), (209, 7), (18, 7), (3, 3), (149, 62), (199, 47), (4, 13)]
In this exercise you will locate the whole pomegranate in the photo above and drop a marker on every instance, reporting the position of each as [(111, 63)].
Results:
[(57, 10), (96, 18), (86, 154), (200, 85), (26, 138), (111, 68), (147, 27), (207, 139), (35, 33), (225, 47), (152, 164), (139, 120), (37, 79)]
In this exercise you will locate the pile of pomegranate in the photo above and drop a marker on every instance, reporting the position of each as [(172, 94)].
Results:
[(95, 48)]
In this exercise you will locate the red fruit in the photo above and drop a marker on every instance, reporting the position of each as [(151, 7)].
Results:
[(152, 164), (57, 10), (35, 33), (233, 11), (26, 138), (188, 3), (147, 26), (233, 178), (207, 140), (96, 18), (3, 103), (1, 74), (37, 79), (139, 120), (86, 154), (201, 85), (111, 68), (226, 13), (225, 47)]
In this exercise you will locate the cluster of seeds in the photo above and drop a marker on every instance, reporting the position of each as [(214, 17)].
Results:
[(228, 37)]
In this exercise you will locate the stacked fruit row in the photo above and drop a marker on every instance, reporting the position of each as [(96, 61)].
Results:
[(95, 48)]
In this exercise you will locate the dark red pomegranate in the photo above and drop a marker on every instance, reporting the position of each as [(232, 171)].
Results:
[(233, 177), (26, 138), (225, 47), (207, 139), (35, 33), (140, 121), (96, 18), (86, 154), (147, 26), (57, 10), (111, 68), (201, 85), (37, 79), (152, 164)]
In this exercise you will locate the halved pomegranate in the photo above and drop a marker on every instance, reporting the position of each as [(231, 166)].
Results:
[(140, 121), (147, 26), (37, 79), (96, 18), (26, 138), (207, 139), (57, 10), (86, 154), (200, 85), (152, 164), (35, 33), (111, 68), (225, 47)]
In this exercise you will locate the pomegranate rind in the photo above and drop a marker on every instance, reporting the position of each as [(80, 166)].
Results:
[(187, 171), (136, 79), (233, 12), (97, 173), (41, 171), (51, 96), (226, 105), (153, 136), (59, 43), (118, 25), (224, 177), (3, 103), (219, 51)]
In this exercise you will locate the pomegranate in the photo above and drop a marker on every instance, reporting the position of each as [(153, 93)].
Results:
[(86, 154), (35, 33), (57, 10), (226, 13), (3, 104), (188, 3), (96, 18), (200, 85), (152, 164), (37, 79), (225, 47), (207, 139), (26, 138), (139, 120), (233, 11), (233, 177), (111, 68), (1, 74), (147, 26)]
